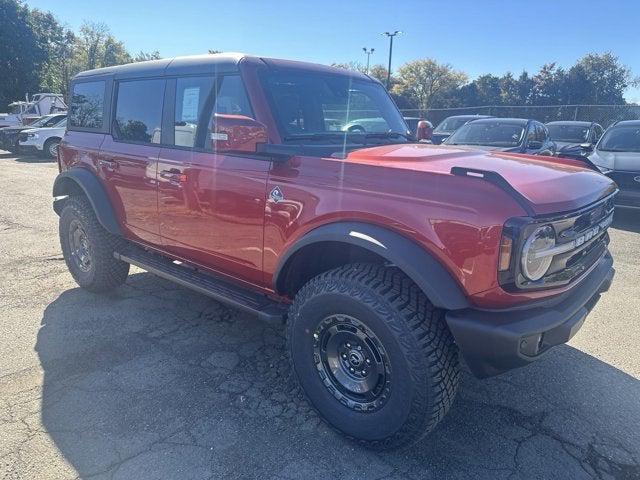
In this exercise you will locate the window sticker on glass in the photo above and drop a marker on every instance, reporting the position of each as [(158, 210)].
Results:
[(190, 101)]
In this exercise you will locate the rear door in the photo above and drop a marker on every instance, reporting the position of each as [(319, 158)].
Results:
[(128, 158), (211, 205)]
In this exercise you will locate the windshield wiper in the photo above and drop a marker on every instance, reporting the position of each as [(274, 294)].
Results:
[(314, 136), (389, 135)]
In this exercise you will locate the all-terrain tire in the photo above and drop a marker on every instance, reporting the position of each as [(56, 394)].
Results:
[(424, 366), (103, 272)]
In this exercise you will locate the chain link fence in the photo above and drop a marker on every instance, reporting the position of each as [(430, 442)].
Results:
[(605, 115)]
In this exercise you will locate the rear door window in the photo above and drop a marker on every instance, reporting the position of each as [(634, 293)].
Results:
[(192, 93), (138, 115), (87, 105)]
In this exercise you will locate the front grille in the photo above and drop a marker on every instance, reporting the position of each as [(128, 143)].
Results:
[(586, 236)]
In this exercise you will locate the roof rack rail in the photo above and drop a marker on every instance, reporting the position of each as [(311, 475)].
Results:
[(499, 181)]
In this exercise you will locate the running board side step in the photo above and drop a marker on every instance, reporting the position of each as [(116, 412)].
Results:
[(216, 288)]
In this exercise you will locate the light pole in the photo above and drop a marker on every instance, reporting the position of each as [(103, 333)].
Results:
[(390, 35), (368, 53)]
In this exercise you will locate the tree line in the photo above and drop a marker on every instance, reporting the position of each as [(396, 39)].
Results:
[(38, 54), (595, 79)]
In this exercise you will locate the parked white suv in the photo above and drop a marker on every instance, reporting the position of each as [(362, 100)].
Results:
[(45, 140)]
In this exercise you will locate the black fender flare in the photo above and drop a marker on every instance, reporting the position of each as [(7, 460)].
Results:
[(95, 192), (416, 262)]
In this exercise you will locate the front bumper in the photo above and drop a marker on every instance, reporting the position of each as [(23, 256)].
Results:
[(30, 145), (29, 150), (8, 142), (494, 341), (628, 198)]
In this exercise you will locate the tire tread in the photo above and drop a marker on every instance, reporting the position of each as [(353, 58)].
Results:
[(421, 332)]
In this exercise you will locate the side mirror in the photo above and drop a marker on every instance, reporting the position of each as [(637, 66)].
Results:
[(424, 131), (586, 146), (236, 133)]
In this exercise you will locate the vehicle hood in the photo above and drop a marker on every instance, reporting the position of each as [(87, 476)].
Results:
[(14, 129), (549, 185), (623, 161), (44, 130)]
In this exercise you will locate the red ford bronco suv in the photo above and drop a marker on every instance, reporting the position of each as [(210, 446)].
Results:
[(387, 258)]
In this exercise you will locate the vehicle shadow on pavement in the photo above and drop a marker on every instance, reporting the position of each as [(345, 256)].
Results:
[(33, 159), (628, 220), (25, 158), (155, 381)]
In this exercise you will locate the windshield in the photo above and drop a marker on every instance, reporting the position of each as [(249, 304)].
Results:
[(495, 134), (308, 105), (568, 133), (47, 121), (41, 122), (624, 138), (451, 124)]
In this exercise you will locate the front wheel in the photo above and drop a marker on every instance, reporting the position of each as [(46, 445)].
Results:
[(88, 248), (50, 148), (372, 354)]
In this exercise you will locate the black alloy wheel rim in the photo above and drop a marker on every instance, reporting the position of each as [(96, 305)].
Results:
[(352, 363), (80, 246)]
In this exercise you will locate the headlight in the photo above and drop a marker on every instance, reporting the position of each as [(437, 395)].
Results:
[(534, 261), (32, 135)]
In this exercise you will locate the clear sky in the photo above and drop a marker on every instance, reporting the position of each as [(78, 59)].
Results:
[(476, 36)]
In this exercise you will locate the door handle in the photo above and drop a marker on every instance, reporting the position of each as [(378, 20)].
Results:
[(175, 176), (108, 164)]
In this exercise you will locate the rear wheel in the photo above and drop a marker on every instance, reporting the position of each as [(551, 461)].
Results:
[(88, 248), (372, 355)]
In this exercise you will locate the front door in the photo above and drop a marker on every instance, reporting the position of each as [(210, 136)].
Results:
[(211, 205), (128, 157)]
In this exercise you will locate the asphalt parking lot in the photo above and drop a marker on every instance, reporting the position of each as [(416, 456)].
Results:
[(157, 382)]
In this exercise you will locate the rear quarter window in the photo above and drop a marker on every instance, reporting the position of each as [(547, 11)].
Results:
[(87, 105)]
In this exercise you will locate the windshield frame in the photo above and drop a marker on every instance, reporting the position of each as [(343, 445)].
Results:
[(606, 135), (343, 140)]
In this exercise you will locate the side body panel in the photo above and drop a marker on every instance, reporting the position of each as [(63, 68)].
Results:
[(425, 208), (129, 174), (211, 210)]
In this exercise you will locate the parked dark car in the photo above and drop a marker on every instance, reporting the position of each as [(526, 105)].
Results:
[(9, 136), (516, 135), (617, 155), (574, 139), (450, 125)]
